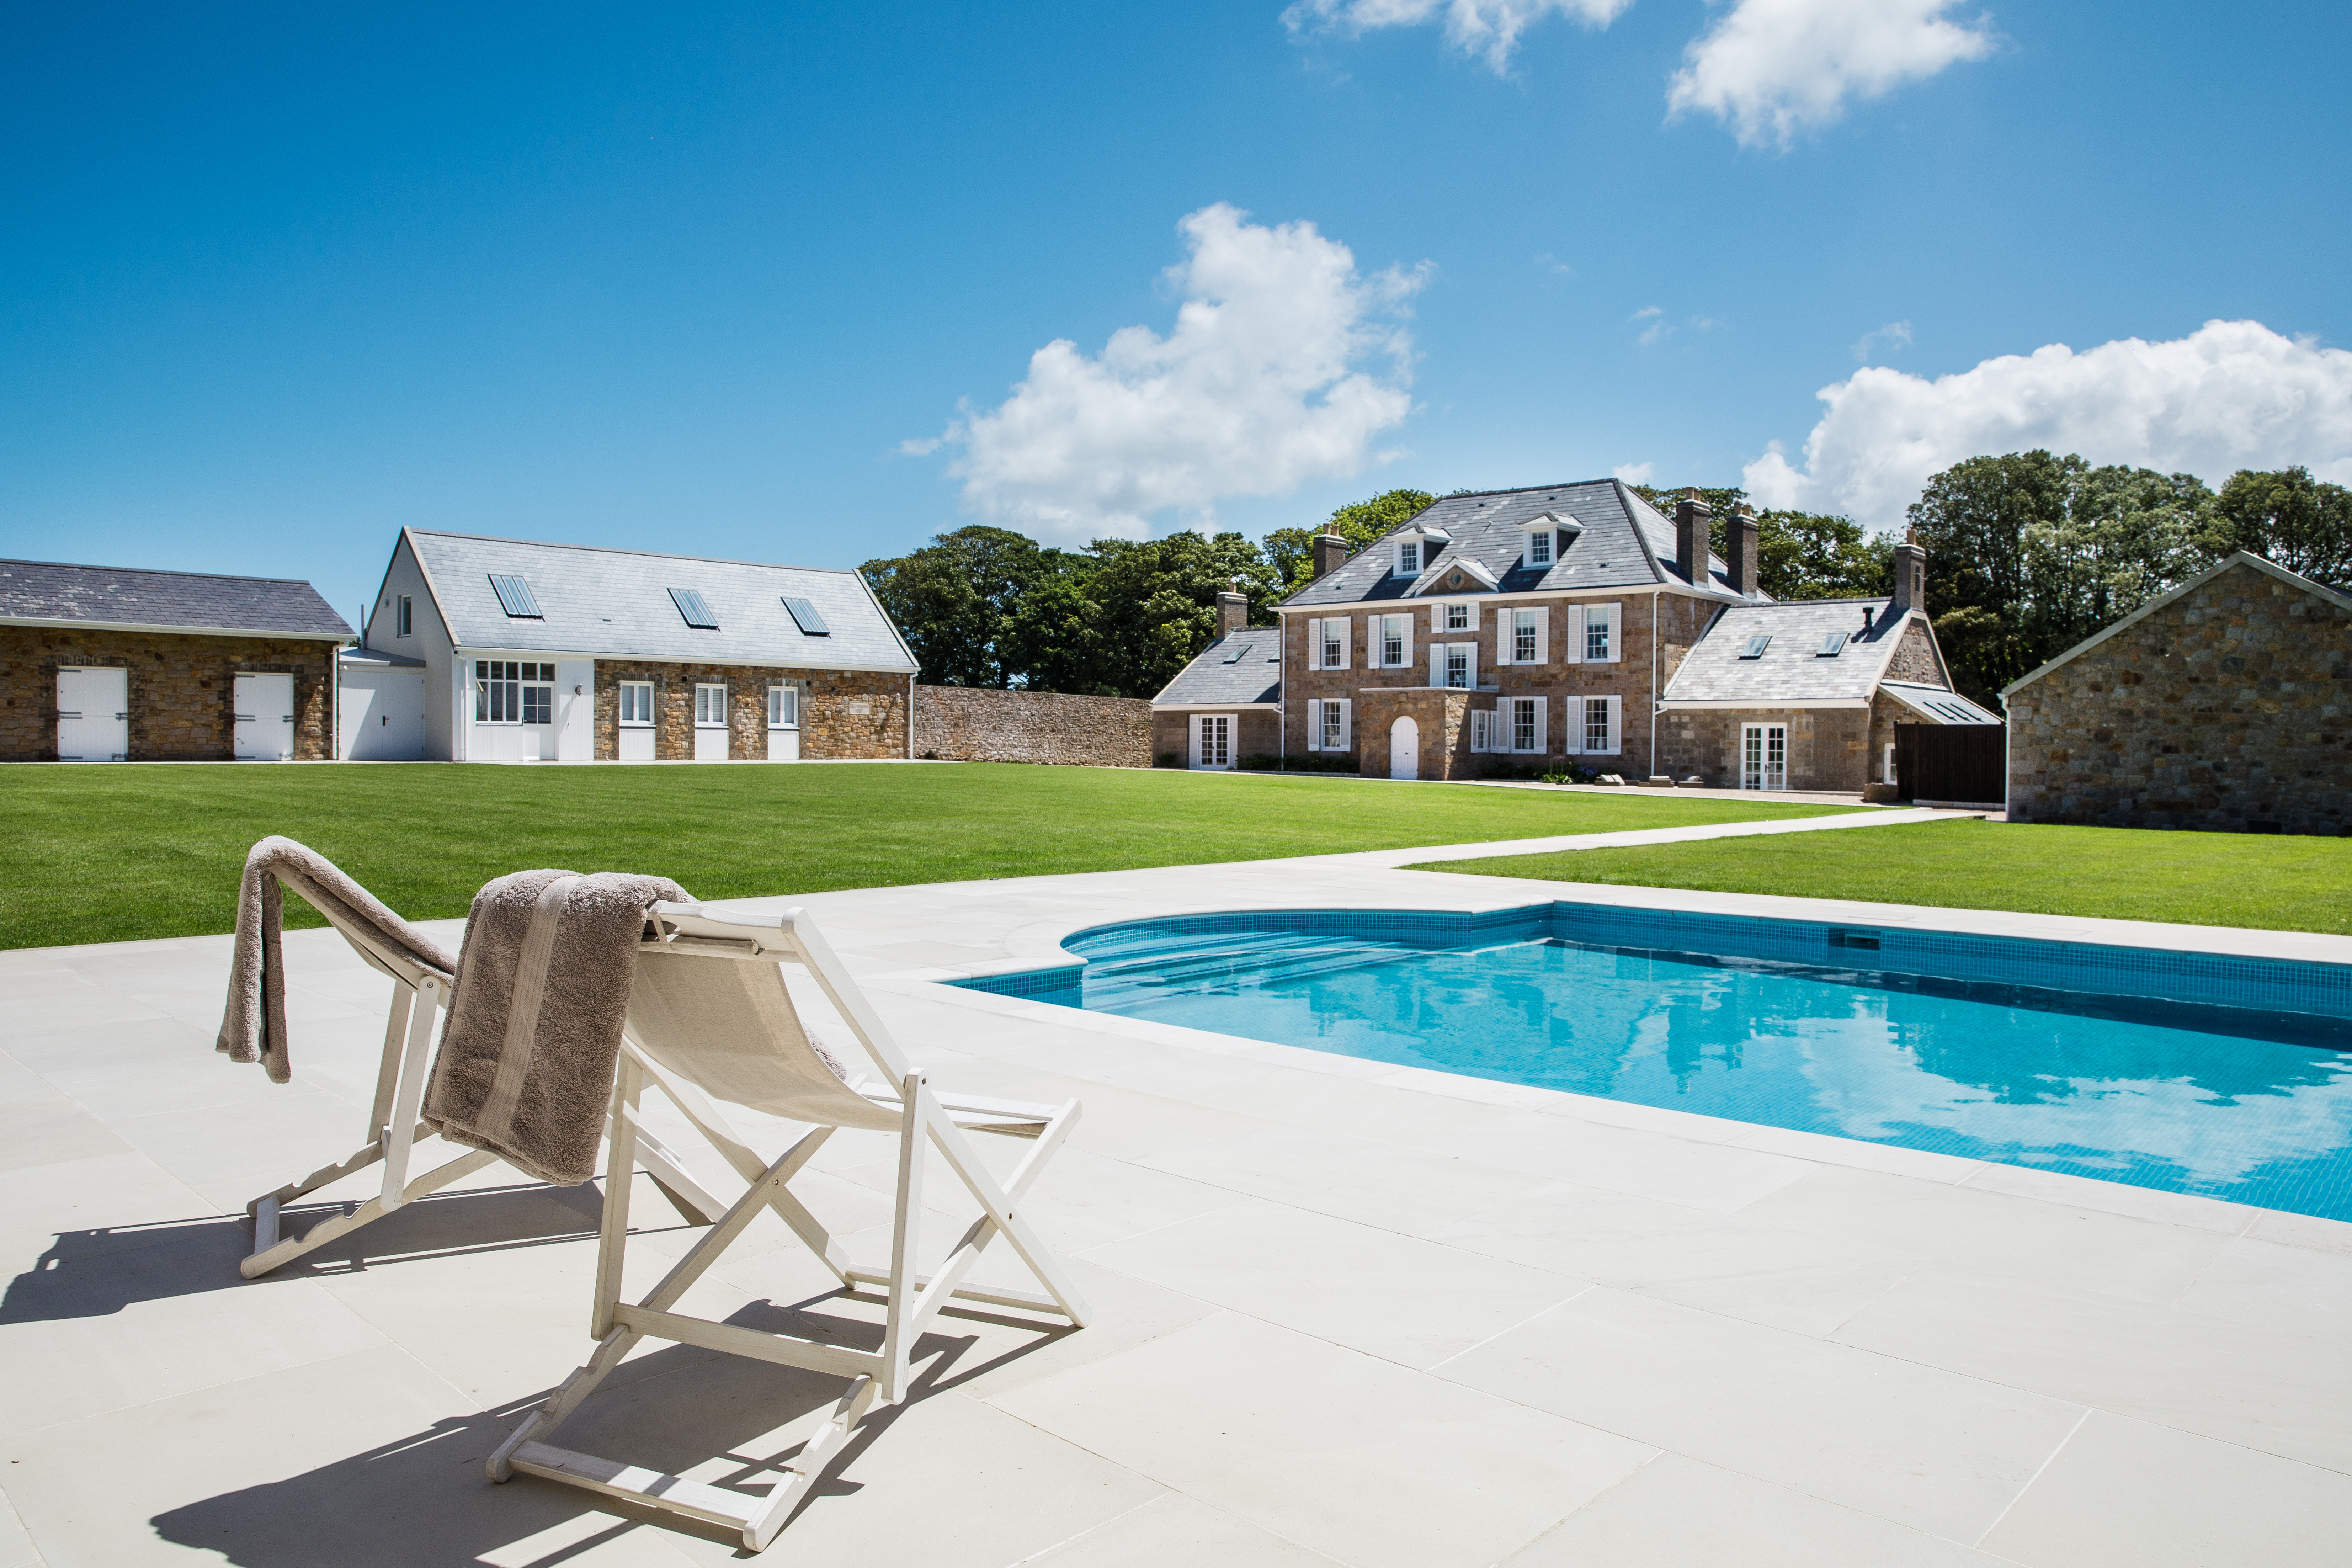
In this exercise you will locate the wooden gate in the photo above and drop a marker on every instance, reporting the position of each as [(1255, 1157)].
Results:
[(1964, 763)]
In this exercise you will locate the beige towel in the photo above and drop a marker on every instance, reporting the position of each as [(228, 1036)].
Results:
[(526, 1063), (254, 1026)]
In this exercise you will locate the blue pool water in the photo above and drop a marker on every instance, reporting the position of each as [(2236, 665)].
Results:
[(2228, 1078)]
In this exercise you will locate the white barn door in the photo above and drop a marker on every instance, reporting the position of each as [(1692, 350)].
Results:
[(93, 715), (264, 710)]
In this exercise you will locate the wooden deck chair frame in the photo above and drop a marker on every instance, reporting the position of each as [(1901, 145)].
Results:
[(419, 993), (922, 1116)]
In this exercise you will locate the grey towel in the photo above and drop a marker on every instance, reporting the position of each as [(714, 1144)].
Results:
[(254, 1026), (525, 1064)]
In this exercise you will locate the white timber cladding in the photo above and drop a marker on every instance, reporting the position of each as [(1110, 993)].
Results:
[(1330, 724)]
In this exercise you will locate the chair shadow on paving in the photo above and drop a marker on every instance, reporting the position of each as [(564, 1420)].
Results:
[(98, 1272), (424, 1499)]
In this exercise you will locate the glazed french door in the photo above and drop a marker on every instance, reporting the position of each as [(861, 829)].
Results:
[(1763, 756)]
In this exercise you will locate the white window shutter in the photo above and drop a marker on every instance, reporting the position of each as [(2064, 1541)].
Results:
[(1314, 723), (1437, 617), (1615, 741), (1616, 614), (1314, 643), (1543, 713), (1347, 641), (1347, 724), (1437, 664), (1573, 635), (1472, 649), (1406, 621), (1543, 636)]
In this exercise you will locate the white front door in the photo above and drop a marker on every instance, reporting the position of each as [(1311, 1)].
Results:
[(710, 723), (784, 722), (1763, 756), (264, 710), (1212, 741), (93, 715), (1404, 750)]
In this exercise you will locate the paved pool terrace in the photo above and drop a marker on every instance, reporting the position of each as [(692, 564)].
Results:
[(1345, 1312)]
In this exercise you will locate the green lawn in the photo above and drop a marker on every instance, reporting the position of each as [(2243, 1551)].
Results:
[(2195, 878), (112, 854)]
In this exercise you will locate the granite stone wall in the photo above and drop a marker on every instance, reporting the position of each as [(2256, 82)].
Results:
[(1828, 747), (1440, 714), (981, 725), (1914, 660), (181, 686), (1257, 732), (845, 714), (2229, 709)]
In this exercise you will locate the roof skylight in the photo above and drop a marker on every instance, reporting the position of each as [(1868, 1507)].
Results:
[(692, 607), (514, 596), (1831, 646), (1756, 647), (1239, 653), (804, 617)]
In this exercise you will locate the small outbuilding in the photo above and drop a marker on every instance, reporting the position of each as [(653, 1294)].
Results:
[(2225, 705), (1227, 704), (521, 651), (121, 663)]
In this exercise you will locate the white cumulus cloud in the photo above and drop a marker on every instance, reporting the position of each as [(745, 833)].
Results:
[(1771, 68), (2229, 395), (1489, 29), (1284, 366)]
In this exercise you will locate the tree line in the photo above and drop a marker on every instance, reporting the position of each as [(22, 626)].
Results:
[(2027, 555)]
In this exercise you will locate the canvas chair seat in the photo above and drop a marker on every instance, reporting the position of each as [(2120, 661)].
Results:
[(711, 1007), (420, 991)]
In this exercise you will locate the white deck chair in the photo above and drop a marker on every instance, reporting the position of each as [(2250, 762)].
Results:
[(710, 1007), (419, 991)]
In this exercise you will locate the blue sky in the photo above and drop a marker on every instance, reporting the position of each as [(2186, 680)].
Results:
[(767, 283)]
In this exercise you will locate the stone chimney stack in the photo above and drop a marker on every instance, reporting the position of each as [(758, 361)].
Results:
[(1692, 521), (1233, 613), (1910, 580), (1330, 553), (1743, 553)]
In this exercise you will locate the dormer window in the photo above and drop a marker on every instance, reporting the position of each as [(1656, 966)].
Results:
[(1539, 548), (1408, 558), (1548, 535)]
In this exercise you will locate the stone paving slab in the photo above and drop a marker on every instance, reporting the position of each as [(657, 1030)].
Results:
[(1347, 1312)]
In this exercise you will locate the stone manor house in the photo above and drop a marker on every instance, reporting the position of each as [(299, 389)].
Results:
[(1570, 624)]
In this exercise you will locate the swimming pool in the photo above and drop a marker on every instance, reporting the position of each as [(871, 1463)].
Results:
[(2230, 1077)]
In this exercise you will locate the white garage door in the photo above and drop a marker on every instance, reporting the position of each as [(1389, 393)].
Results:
[(264, 731), (93, 715), (384, 715)]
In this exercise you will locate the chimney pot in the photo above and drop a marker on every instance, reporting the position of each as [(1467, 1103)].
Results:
[(1692, 521), (1330, 553)]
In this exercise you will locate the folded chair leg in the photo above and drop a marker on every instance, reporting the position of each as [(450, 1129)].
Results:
[(281, 1252), (805, 1467), (410, 1095)]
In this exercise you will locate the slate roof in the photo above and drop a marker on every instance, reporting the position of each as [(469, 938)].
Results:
[(1791, 670), (615, 604), (1231, 672), (1944, 707), (168, 601), (1624, 543)]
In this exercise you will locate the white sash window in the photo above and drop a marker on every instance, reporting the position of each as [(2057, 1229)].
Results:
[(1396, 634), (636, 703), (710, 707), (783, 707), (1330, 724), (1326, 643), (1526, 723), (1529, 636), (1600, 725)]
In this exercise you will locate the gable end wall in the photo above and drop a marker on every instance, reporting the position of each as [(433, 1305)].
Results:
[(2227, 709)]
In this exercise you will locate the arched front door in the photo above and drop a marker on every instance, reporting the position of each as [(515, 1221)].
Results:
[(1404, 750)]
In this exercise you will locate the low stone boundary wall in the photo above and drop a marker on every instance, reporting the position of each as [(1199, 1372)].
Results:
[(981, 725)]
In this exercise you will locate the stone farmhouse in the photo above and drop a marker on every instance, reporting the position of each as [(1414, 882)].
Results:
[(114, 664), (2226, 704), (1576, 624), (508, 650), (1227, 704)]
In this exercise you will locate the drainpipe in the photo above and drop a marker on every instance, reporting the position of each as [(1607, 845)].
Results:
[(910, 716), (1654, 683)]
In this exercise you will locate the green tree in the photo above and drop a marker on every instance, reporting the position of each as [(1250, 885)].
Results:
[(1156, 601), (2290, 520), (951, 599), (2031, 552), (1290, 551)]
